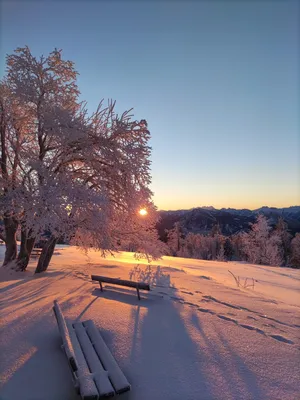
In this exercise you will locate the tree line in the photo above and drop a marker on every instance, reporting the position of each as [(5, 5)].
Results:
[(261, 245)]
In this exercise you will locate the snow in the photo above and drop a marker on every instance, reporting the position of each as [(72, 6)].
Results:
[(116, 376), (85, 356), (194, 336)]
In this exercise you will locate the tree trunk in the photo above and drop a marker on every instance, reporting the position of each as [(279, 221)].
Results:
[(10, 226), (27, 244), (46, 255)]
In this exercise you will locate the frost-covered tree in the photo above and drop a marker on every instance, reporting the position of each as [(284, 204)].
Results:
[(196, 246), (274, 250), (260, 246), (216, 230), (80, 177), (254, 242), (13, 124), (221, 253), (285, 237), (203, 247), (238, 246), (228, 249), (217, 247), (175, 239), (42, 98), (295, 251)]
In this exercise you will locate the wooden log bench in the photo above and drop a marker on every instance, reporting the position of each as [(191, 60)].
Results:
[(95, 372), (121, 282)]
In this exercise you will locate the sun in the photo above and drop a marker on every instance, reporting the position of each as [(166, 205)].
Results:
[(143, 212)]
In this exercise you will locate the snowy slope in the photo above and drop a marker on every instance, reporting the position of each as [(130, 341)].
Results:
[(195, 336)]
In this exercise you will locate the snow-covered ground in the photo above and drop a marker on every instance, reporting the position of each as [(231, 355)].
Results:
[(195, 336)]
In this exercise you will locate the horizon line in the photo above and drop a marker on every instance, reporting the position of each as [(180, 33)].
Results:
[(228, 208)]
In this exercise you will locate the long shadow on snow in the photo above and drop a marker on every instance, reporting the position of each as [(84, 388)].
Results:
[(11, 298), (232, 368), (42, 371), (41, 366), (163, 357), (126, 296), (164, 353), (23, 277)]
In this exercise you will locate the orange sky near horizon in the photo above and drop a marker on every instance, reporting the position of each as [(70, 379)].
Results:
[(220, 197)]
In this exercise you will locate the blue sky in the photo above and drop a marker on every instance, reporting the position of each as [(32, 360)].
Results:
[(218, 83)]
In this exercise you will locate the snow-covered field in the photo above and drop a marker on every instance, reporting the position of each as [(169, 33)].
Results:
[(195, 336)]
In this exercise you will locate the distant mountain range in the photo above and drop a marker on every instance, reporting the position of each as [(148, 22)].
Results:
[(230, 220)]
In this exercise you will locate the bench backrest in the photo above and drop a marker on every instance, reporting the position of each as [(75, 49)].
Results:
[(121, 282), (64, 332)]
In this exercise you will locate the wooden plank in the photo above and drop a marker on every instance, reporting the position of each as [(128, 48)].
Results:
[(103, 384), (87, 386), (116, 376), (121, 282), (64, 333), (36, 252)]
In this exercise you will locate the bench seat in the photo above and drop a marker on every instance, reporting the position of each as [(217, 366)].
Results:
[(96, 374), (36, 252), (121, 282)]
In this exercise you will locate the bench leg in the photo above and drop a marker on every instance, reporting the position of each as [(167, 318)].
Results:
[(101, 288), (138, 293)]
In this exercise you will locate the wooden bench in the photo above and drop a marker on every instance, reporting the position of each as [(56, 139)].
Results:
[(137, 285), (96, 373), (36, 252)]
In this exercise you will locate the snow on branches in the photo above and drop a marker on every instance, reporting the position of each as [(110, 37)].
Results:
[(78, 176), (262, 246)]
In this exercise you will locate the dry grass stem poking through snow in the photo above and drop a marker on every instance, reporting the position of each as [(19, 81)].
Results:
[(244, 284)]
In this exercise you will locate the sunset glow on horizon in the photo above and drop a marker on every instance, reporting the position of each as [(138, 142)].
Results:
[(203, 199), (226, 192)]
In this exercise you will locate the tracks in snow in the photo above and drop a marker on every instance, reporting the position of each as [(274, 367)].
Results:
[(257, 317)]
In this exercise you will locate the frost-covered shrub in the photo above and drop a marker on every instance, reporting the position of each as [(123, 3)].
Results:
[(151, 275)]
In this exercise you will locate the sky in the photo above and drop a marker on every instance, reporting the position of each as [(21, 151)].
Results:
[(218, 83)]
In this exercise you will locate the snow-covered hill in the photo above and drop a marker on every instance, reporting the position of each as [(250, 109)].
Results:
[(196, 335)]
